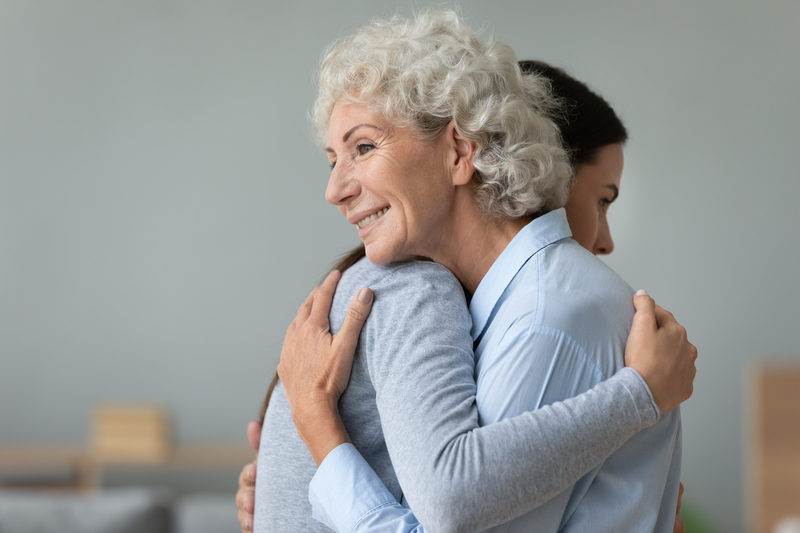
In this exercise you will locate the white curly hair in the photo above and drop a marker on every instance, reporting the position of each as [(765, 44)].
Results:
[(426, 71)]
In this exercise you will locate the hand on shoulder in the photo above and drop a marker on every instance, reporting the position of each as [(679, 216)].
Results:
[(658, 348)]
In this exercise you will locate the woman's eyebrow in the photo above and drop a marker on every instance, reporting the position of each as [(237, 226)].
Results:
[(615, 190), (354, 128)]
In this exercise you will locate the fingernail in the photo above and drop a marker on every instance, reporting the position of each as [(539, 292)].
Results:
[(641, 292), (365, 295)]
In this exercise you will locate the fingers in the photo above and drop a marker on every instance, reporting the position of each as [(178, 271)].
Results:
[(643, 302), (251, 470), (664, 317), (357, 314), (659, 350), (246, 521), (323, 298), (245, 496), (645, 317), (247, 480), (650, 314), (668, 326), (679, 526), (642, 334), (254, 434), (318, 304), (245, 501), (305, 309)]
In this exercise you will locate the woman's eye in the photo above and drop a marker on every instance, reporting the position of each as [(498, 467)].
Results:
[(605, 202), (365, 148), (332, 164)]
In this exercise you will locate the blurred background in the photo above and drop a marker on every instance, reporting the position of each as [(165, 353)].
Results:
[(162, 212)]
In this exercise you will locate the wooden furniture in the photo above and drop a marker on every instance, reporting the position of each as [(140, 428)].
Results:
[(130, 434), (86, 468), (775, 463)]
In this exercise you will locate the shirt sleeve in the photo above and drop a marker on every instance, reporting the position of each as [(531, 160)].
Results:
[(347, 495), (456, 475)]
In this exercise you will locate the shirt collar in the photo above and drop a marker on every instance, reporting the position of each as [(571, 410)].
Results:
[(538, 234)]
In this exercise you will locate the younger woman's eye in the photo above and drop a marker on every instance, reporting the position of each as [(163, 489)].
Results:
[(365, 148), (605, 202)]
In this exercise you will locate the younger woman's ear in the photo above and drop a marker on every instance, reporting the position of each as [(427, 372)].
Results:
[(463, 151)]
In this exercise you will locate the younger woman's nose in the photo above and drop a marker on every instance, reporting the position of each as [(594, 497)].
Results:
[(603, 244)]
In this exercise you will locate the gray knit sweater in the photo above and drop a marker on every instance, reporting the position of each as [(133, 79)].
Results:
[(419, 329)]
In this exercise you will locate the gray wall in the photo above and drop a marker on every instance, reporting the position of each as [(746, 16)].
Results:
[(162, 210)]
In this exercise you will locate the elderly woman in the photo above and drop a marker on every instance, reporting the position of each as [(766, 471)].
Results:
[(440, 148)]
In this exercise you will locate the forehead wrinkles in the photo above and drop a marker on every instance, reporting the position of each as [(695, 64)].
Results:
[(360, 112)]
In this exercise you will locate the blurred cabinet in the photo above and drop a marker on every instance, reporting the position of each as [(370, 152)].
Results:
[(80, 468), (775, 461)]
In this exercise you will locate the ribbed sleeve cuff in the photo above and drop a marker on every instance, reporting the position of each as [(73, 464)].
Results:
[(642, 397)]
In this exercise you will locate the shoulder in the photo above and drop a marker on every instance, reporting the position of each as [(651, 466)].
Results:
[(419, 310), (396, 280), (421, 288), (578, 294), (573, 279), (564, 279), (422, 274), (568, 259), (414, 289), (586, 299)]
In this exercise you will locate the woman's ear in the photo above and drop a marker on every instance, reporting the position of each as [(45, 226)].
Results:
[(462, 151)]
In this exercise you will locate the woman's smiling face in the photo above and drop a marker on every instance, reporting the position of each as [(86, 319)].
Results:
[(393, 187)]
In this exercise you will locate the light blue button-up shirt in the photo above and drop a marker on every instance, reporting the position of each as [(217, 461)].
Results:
[(550, 321)]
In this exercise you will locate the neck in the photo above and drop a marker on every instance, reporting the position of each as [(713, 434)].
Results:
[(471, 242)]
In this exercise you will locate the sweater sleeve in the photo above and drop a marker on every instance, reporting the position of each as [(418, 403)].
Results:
[(422, 367)]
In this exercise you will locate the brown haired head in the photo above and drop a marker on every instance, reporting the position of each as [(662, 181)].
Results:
[(587, 122)]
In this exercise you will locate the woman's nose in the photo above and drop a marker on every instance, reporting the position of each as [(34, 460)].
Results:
[(341, 188), (604, 244)]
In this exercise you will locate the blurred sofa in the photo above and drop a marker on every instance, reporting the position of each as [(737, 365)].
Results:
[(128, 510)]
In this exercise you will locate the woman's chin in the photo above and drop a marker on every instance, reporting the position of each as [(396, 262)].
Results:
[(381, 256), (377, 256)]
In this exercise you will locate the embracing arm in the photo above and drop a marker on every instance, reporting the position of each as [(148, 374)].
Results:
[(432, 432), (346, 486), (472, 483)]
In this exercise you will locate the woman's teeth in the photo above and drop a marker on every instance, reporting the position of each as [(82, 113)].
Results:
[(366, 220)]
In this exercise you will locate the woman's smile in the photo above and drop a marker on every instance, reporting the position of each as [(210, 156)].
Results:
[(366, 220), (388, 183)]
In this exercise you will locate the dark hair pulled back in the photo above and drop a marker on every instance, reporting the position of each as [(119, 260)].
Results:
[(587, 122)]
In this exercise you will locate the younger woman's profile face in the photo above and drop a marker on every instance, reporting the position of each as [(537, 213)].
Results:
[(596, 187)]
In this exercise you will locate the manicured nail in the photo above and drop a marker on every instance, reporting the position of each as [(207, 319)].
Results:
[(641, 292), (365, 295)]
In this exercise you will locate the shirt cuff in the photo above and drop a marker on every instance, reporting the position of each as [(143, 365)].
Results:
[(641, 394), (345, 489)]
